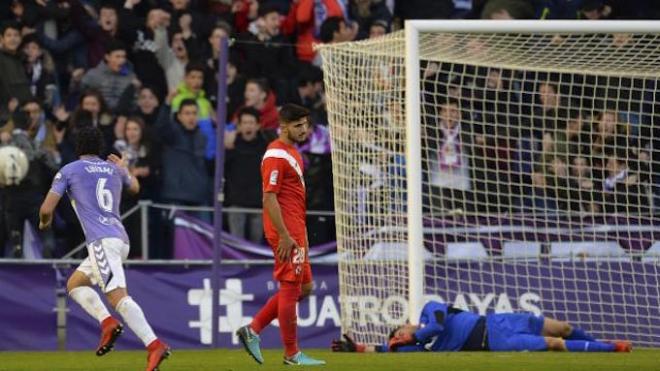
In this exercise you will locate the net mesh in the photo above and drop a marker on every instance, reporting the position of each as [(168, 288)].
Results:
[(539, 178)]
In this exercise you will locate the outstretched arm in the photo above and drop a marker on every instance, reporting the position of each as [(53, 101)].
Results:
[(48, 209), (130, 181), (349, 345)]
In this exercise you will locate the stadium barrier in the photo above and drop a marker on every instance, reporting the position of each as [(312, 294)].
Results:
[(176, 298)]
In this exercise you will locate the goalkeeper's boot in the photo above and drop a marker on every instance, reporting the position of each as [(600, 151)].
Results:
[(250, 342), (622, 346), (301, 359), (157, 352), (110, 331)]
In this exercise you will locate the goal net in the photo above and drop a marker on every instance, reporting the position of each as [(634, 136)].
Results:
[(525, 178)]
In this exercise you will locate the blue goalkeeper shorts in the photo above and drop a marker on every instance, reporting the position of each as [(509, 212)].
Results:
[(515, 332)]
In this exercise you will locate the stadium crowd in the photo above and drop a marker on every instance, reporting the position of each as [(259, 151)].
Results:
[(145, 73)]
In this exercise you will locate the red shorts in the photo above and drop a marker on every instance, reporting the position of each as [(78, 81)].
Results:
[(296, 269)]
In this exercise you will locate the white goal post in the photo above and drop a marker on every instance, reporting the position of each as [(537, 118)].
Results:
[(513, 223)]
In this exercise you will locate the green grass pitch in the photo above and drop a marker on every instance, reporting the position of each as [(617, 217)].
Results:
[(238, 360)]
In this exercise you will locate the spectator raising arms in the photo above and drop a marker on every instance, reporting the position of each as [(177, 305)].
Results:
[(268, 54), (185, 180), (306, 17)]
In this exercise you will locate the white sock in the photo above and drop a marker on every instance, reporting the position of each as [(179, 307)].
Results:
[(90, 301), (134, 318)]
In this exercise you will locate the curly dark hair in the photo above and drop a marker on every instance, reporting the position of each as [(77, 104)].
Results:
[(89, 141)]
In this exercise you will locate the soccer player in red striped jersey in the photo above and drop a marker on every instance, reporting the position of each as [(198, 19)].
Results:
[(285, 230)]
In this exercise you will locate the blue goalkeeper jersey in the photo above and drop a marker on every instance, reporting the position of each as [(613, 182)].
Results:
[(443, 328)]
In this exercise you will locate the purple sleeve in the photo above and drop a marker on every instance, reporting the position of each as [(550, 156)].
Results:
[(125, 176), (60, 182)]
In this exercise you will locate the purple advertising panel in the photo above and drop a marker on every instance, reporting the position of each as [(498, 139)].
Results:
[(177, 303), (609, 299), (27, 302)]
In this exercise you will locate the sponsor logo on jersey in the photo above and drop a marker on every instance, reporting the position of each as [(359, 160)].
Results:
[(273, 177)]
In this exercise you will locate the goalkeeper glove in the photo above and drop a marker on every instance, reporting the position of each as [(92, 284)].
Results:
[(347, 345), (398, 341)]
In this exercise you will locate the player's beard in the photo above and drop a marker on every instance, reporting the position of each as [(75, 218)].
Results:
[(296, 139)]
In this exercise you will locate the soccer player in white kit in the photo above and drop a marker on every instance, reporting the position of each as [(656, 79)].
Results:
[(94, 187)]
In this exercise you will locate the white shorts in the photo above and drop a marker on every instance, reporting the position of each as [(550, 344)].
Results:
[(103, 266)]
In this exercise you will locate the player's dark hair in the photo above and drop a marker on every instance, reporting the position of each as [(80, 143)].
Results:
[(89, 141), (194, 66), (329, 27), (187, 102), (250, 111), (292, 112)]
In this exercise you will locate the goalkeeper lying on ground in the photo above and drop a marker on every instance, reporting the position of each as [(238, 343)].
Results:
[(446, 329)]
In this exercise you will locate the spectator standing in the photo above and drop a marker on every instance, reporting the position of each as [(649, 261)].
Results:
[(305, 19), (147, 107), (173, 57), (111, 77), (245, 149), (336, 30), (267, 53), (258, 96), (184, 176), (191, 89), (97, 32), (366, 12), (91, 110), (235, 87), (138, 34), (210, 54), (21, 202), (310, 93), (40, 71), (140, 158), (14, 84), (448, 158), (315, 151)]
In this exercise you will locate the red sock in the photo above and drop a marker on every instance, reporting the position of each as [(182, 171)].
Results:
[(266, 315), (286, 314)]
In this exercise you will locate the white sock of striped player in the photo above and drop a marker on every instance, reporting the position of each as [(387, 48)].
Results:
[(134, 318), (90, 301)]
